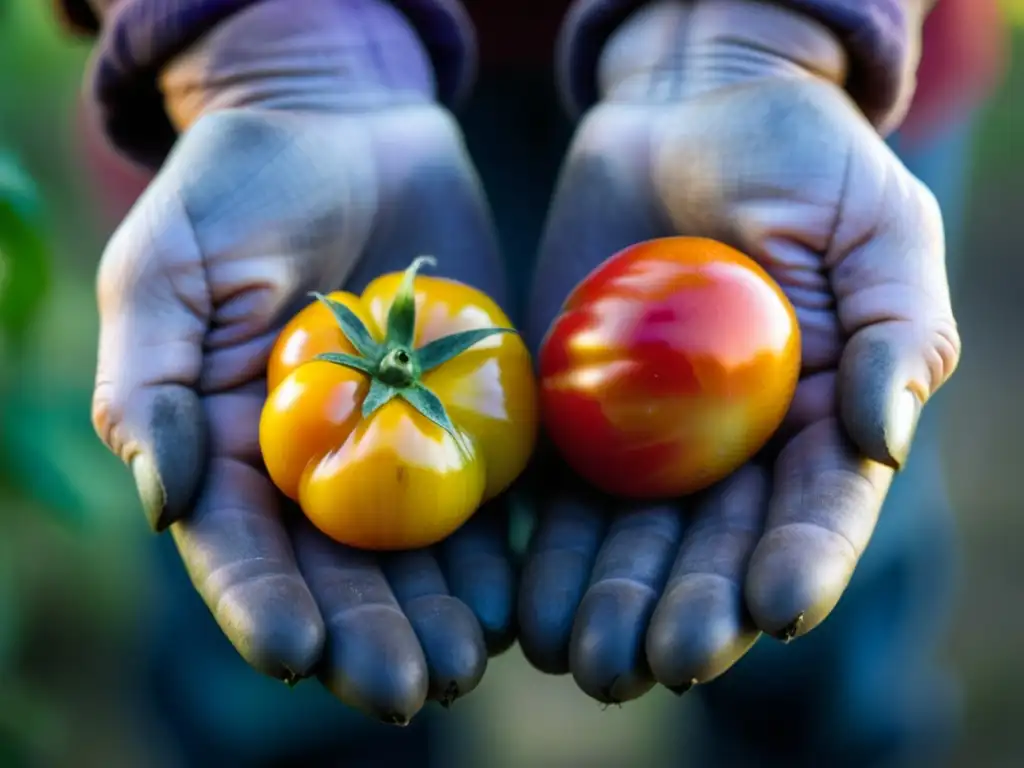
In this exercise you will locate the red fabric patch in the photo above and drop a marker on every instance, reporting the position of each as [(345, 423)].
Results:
[(964, 54)]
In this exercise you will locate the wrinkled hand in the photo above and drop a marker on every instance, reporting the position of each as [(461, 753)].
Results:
[(733, 139), (254, 209)]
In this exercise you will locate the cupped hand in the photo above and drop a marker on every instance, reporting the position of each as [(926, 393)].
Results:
[(253, 210), (726, 136)]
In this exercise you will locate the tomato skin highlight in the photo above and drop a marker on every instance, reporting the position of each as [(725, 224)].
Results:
[(396, 479), (669, 367)]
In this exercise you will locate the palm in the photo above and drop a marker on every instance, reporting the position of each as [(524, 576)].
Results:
[(677, 592), (250, 214)]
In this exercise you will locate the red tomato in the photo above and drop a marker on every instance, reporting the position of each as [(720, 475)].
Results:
[(670, 365)]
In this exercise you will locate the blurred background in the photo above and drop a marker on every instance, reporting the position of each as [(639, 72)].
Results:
[(72, 570)]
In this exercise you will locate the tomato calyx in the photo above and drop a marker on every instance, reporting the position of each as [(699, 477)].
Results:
[(397, 369), (395, 366)]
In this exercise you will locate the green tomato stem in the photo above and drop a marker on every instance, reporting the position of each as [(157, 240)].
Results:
[(402, 315), (394, 367), (397, 369)]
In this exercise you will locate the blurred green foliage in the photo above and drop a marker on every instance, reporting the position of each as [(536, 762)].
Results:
[(25, 257), (47, 448), (997, 154), (1014, 11), (55, 478), (26, 266), (32, 424)]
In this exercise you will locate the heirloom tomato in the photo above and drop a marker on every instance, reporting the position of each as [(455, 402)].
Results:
[(392, 416), (669, 366)]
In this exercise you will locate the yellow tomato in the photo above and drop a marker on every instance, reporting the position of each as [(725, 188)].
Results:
[(392, 416)]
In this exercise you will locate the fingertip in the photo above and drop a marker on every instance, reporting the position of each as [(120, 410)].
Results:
[(241, 561), (699, 630), (491, 598), (554, 579), (276, 626), (825, 505), (374, 662), (453, 645), (796, 576), (606, 649), (501, 639), (879, 404), (168, 469), (607, 645), (151, 490)]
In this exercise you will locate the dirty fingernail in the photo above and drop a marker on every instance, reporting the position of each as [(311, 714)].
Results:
[(903, 418), (451, 693), (290, 678), (151, 490), (680, 690), (788, 632)]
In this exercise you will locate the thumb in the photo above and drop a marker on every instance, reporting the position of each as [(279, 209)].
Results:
[(894, 305), (153, 304)]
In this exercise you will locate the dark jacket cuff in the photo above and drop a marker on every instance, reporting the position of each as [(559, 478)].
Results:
[(879, 36), (139, 37)]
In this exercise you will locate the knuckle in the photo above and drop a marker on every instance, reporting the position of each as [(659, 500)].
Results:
[(235, 133), (153, 259), (133, 257), (438, 144), (107, 414), (235, 168), (943, 343), (927, 209), (234, 163), (946, 349), (438, 126), (113, 273), (927, 202), (610, 128), (436, 149)]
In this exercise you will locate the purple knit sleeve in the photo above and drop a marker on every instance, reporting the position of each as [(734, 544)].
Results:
[(138, 37), (879, 36)]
